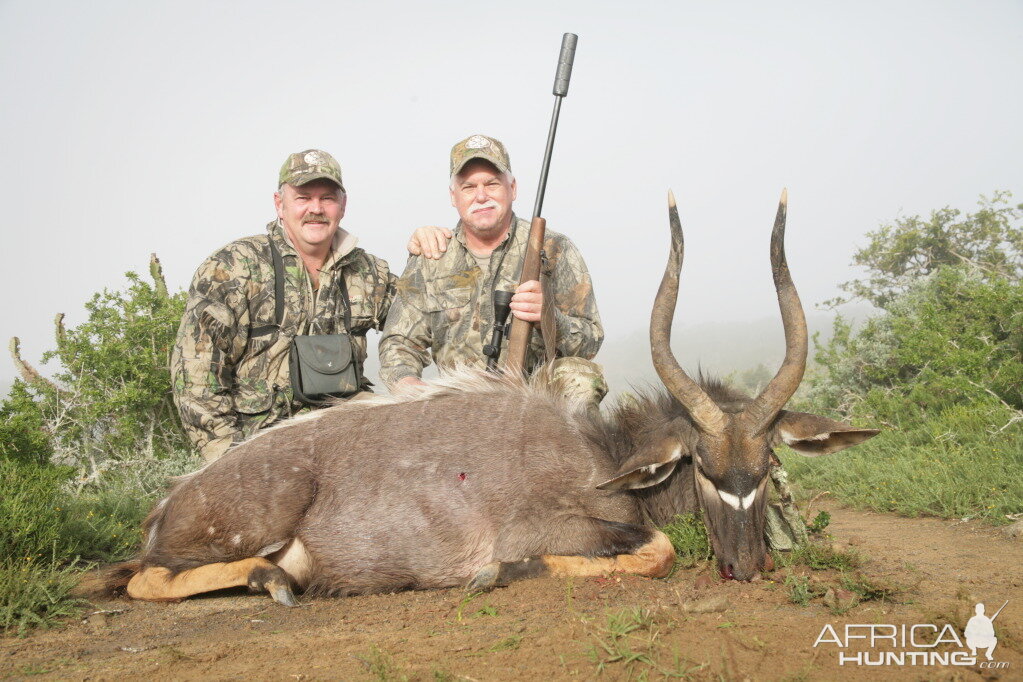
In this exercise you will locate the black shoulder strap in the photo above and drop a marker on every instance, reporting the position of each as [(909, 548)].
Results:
[(278, 294), (344, 299), (278, 282), (348, 329)]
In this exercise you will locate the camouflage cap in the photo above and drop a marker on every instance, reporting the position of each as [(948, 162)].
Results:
[(479, 147), (312, 164)]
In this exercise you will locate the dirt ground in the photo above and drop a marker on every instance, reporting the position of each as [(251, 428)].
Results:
[(614, 628)]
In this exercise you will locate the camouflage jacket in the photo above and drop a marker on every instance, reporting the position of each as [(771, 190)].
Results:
[(228, 381), (445, 307)]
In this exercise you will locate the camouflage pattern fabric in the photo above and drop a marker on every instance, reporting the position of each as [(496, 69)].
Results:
[(312, 164), (479, 147), (579, 380), (228, 382), (444, 310)]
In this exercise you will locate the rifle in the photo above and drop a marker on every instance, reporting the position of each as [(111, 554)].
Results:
[(518, 338)]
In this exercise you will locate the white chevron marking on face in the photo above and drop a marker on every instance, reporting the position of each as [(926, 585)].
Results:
[(729, 499), (747, 501)]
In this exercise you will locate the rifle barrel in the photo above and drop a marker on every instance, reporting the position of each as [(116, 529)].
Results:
[(545, 169)]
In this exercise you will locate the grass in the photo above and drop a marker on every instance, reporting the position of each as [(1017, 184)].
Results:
[(35, 594), (613, 643), (507, 644), (800, 589), (960, 463), (688, 536), (803, 589), (628, 643), (49, 532), (870, 588), (380, 665), (464, 601), (819, 557)]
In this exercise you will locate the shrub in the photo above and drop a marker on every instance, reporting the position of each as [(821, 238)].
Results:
[(22, 437), (940, 371), (82, 457)]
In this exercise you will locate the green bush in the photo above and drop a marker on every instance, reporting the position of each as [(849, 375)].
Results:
[(31, 515), (939, 371), (22, 435), (40, 520), (48, 534), (114, 397), (44, 534), (901, 252), (83, 457), (954, 337), (35, 594)]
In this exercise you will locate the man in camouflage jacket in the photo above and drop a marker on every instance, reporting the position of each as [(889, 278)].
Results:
[(443, 310), (230, 362)]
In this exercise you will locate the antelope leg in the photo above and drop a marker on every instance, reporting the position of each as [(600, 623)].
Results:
[(653, 559), (156, 583)]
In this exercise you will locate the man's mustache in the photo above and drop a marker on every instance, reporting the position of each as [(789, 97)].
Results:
[(479, 207), (315, 218)]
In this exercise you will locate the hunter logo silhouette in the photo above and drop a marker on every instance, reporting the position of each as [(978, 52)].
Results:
[(980, 631)]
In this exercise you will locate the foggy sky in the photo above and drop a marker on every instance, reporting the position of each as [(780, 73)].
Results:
[(130, 128)]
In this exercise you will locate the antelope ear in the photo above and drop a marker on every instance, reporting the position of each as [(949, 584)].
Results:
[(811, 436), (648, 467)]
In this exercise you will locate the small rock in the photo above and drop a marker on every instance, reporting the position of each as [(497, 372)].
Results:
[(703, 581), (715, 604), (840, 600), (855, 540), (1015, 530), (99, 621)]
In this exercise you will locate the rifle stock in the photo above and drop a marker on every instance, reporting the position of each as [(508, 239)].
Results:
[(518, 338)]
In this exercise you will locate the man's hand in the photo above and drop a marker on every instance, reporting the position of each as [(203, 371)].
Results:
[(527, 301), (429, 242), (409, 385)]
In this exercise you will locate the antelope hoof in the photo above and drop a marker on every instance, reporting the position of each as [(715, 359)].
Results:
[(485, 578), (283, 595), (275, 582)]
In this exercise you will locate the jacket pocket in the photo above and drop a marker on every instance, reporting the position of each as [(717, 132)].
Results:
[(439, 297)]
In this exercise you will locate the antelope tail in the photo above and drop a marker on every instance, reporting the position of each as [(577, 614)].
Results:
[(107, 582)]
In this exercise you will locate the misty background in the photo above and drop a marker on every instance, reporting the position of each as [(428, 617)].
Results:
[(131, 128)]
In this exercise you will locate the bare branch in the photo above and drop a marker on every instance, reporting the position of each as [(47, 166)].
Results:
[(156, 271), (27, 371), (58, 327)]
